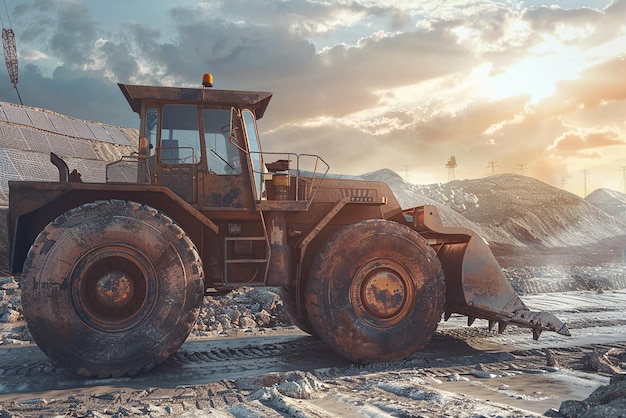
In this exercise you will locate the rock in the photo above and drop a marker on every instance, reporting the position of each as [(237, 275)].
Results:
[(483, 375), (455, 377), (10, 316), (600, 363), (617, 378), (296, 390), (550, 358), (604, 411), (605, 402), (572, 409)]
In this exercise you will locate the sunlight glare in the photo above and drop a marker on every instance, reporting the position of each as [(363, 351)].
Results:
[(537, 74)]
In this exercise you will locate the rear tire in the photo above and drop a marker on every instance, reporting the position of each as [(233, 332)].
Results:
[(111, 288), (376, 292)]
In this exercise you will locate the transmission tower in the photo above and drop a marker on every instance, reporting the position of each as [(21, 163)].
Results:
[(10, 53), (451, 165), (585, 172), (521, 167), (493, 165)]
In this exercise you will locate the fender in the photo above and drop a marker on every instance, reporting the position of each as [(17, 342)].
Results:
[(35, 204)]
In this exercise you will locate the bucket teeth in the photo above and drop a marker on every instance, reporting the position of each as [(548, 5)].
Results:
[(501, 326), (539, 321), (446, 315), (470, 320)]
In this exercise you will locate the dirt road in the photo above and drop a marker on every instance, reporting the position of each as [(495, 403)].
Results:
[(282, 372)]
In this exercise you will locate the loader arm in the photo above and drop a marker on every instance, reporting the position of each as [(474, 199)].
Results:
[(475, 284)]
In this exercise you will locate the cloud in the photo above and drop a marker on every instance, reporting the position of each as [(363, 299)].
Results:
[(584, 143), (63, 28)]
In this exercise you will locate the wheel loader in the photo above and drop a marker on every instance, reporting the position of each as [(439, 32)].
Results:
[(113, 274)]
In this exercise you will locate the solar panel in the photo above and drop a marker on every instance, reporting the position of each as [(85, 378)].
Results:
[(99, 132), (7, 173), (117, 135), (11, 137), (32, 165), (62, 125), (17, 114), (28, 135), (81, 129), (36, 140), (3, 116), (4, 198), (61, 145), (83, 148), (40, 119)]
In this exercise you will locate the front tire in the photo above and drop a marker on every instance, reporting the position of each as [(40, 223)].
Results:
[(376, 292), (111, 288), (299, 317)]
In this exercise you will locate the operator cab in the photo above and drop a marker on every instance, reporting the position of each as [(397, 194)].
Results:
[(204, 145)]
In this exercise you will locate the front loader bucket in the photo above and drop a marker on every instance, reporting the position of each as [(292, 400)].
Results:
[(475, 284)]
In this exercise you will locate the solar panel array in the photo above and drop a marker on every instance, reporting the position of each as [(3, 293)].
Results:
[(28, 135)]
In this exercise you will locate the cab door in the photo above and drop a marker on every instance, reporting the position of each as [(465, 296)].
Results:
[(178, 153)]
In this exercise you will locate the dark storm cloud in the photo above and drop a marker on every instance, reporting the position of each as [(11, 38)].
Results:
[(82, 94), (62, 28), (119, 61)]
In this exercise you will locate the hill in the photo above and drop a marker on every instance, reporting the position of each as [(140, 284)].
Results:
[(610, 201), (525, 221)]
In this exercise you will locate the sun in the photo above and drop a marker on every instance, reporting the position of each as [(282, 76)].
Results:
[(536, 75)]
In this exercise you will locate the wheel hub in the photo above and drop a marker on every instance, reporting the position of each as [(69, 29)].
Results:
[(383, 294), (114, 289)]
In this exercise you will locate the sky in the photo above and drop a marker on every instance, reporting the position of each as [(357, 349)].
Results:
[(528, 87)]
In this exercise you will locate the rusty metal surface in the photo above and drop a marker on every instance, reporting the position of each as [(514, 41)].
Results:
[(256, 101), (34, 204), (475, 284)]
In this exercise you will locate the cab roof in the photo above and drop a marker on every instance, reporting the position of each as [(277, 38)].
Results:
[(254, 100)]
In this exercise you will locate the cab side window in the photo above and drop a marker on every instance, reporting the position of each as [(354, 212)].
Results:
[(180, 138)]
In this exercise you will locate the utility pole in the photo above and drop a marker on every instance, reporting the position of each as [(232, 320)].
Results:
[(405, 168), (585, 172), (624, 177), (521, 167), (493, 165)]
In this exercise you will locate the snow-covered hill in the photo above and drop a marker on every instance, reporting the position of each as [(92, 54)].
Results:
[(610, 201), (512, 209)]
